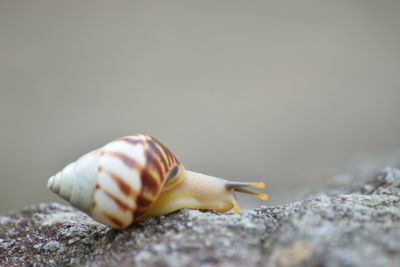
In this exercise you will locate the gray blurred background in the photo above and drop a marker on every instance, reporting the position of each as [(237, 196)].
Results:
[(287, 92)]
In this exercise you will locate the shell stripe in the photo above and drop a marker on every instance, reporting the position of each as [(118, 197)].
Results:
[(114, 219), (164, 154), (117, 201), (153, 166), (131, 141), (128, 161), (125, 188), (170, 157), (150, 190), (151, 184), (143, 204), (151, 174), (160, 156)]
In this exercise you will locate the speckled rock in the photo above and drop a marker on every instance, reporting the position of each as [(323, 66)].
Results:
[(346, 226)]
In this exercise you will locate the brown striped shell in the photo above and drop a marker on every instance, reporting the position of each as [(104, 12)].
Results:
[(117, 183)]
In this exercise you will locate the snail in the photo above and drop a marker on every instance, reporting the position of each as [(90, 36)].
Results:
[(135, 177)]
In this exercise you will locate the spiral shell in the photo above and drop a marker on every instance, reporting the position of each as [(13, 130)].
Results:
[(117, 183)]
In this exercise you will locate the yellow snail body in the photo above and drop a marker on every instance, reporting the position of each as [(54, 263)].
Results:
[(134, 177)]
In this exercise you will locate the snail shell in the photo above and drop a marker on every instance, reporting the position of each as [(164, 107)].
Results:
[(137, 176)]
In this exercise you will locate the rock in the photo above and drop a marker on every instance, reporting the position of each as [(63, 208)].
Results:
[(386, 181), (353, 225)]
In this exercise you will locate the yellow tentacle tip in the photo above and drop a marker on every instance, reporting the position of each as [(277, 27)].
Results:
[(259, 185)]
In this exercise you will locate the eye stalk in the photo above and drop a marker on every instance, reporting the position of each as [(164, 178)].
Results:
[(242, 188)]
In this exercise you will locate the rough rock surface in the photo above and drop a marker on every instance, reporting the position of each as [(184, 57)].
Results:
[(354, 224)]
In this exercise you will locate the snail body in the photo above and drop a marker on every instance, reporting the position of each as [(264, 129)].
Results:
[(134, 177)]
